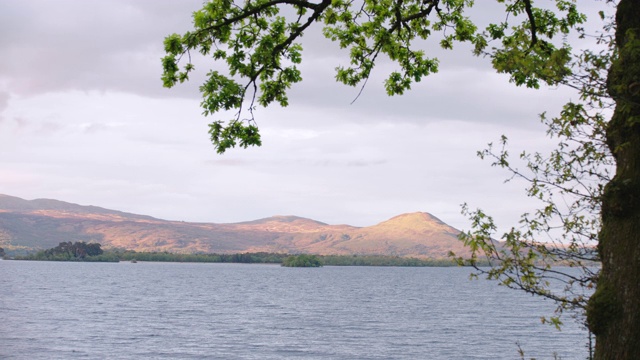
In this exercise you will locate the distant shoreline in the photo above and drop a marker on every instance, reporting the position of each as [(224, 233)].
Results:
[(242, 258)]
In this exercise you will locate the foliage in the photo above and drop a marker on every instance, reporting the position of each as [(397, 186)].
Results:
[(568, 183), (245, 258), (381, 260), (115, 255), (302, 260), (68, 251), (104, 257), (256, 40)]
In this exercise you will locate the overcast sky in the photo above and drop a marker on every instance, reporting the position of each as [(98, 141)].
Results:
[(84, 118)]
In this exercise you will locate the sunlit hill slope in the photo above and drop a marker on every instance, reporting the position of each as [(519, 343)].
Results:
[(39, 224)]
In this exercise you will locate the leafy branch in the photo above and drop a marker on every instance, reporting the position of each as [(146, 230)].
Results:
[(259, 49)]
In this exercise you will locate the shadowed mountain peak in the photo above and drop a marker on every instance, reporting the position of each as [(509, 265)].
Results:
[(283, 219)]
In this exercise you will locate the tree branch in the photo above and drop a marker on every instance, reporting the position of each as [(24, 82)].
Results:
[(532, 23), (317, 11), (254, 11)]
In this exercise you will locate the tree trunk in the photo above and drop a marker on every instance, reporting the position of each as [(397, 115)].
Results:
[(613, 313)]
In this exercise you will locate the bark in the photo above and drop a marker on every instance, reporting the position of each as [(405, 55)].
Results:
[(613, 313)]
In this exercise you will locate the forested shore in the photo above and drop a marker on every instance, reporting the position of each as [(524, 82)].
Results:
[(92, 252)]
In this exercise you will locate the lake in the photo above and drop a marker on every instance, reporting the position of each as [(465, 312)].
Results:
[(63, 310)]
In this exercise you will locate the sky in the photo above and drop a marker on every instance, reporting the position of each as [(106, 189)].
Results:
[(84, 118)]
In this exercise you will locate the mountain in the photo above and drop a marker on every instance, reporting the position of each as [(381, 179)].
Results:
[(53, 207), (44, 223)]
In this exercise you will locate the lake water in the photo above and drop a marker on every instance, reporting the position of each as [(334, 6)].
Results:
[(55, 310)]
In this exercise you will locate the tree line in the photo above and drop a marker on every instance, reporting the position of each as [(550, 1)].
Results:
[(71, 251), (81, 251)]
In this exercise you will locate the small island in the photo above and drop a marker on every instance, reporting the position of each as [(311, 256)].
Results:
[(302, 260), (72, 251)]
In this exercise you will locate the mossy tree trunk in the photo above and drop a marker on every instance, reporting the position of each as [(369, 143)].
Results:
[(614, 310)]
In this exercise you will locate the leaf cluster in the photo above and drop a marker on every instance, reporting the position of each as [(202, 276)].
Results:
[(568, 183), (257, 42)]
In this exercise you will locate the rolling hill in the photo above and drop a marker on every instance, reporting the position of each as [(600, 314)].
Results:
[(27, 225)]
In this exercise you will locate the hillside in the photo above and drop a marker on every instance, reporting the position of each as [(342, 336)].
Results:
[(38, 224)]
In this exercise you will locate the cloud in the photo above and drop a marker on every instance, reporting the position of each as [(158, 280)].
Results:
[(21, 122), (90, 128), (4, 100), (87, 45), (80, 85), (117, 46), (4, 103), (49, 128)]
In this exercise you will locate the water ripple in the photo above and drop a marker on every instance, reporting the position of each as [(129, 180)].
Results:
[(228, 311)]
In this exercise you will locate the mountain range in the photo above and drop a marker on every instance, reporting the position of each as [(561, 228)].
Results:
[(28, 225)]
